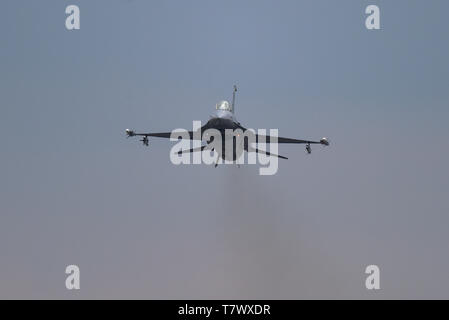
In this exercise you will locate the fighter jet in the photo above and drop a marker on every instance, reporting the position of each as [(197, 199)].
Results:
[(224, 121)]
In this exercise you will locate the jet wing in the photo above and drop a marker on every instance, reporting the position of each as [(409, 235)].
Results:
[(131, 133), (270, 139)]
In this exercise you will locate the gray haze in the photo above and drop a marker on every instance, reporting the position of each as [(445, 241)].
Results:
[(75, 191)]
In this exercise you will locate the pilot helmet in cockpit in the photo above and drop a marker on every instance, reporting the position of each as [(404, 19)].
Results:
[(224, 105)]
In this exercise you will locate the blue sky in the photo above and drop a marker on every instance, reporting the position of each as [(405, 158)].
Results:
[(75, 191)]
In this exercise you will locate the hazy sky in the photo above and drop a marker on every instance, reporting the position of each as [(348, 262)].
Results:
[(74, 191)]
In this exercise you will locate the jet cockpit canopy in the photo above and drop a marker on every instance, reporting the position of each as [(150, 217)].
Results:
[(224, 105)]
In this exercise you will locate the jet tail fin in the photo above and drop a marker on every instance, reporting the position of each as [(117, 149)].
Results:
[(233, 98)]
